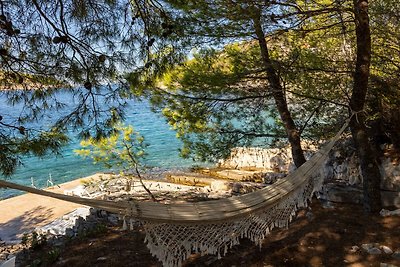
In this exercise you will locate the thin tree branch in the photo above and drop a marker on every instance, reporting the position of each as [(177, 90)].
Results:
[(135, 163), (317, 98), (310, 117), (235, 99)]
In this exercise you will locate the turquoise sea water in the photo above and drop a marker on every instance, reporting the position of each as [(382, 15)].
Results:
[(162, 150)]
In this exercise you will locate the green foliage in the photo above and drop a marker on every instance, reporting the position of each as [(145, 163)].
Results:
[(123, 149), (217, 101), (37, 241), (315, 62), (46, 259), (317, 69), (221, 97), (16, 142), (86, 48), (97, 230), (33, 240), (384, 98), (36, 263), (52, 256)]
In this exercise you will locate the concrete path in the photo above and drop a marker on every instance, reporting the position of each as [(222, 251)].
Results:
[(22, 214)]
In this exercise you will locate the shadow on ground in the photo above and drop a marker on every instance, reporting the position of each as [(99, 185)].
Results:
[(26, 223), (323, 239)]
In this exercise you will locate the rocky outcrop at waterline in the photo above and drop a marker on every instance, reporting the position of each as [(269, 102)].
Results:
[(340, 172)]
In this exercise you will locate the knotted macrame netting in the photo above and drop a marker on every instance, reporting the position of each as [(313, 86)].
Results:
[(173, 243), (175, 231)]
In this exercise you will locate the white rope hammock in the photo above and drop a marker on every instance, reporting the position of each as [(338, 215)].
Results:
[(175, 231)]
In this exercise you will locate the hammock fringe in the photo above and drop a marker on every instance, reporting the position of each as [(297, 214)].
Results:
[(175, 231)]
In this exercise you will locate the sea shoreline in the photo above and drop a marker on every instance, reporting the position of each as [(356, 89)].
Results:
[(152, 173), (29, 212), (346, 175)]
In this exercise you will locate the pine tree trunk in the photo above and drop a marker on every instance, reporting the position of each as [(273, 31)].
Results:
[(279, 97), (368, 159)]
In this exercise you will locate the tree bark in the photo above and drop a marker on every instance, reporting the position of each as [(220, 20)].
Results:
[(277, 91), (368, 159)]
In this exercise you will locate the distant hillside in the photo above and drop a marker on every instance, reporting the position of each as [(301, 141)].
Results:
[(24, 81)]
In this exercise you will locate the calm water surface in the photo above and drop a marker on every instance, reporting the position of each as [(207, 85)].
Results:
[(162, 150)]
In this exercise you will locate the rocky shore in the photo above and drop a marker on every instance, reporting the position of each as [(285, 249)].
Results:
[(118, 188), (341, 173), (246, 170)]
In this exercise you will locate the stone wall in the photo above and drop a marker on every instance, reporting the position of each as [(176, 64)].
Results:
[(342, 164), (272, 159)]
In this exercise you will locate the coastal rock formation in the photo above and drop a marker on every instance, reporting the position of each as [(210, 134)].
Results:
[(342, 164), (272, 159)]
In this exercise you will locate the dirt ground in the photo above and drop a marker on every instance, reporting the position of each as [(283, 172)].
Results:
[(324, 237)]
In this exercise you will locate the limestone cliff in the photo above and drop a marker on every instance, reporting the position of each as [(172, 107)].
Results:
[(342, 164)]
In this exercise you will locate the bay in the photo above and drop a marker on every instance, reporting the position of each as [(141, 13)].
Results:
[(162, 152)]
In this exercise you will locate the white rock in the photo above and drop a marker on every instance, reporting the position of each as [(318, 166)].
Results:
[(386, 249), (220, 186), (348, 171), (354, 249), (59, 226), (206, 189)]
